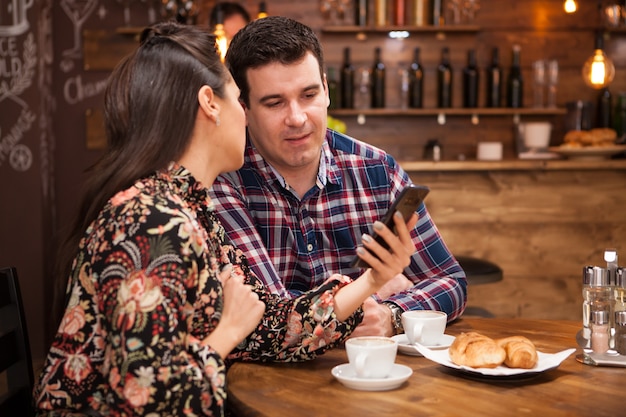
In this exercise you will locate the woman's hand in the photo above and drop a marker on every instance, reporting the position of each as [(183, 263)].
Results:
[(241, 314)]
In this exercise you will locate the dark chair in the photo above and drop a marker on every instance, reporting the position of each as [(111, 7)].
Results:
[(479, 271), (16, 367)]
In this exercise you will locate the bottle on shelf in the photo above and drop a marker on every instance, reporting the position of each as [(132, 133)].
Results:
[(380, 13), (494, 80), (399, 12), (515, 82), (605, 107), (378, 81), (333, 89), (437, 12), (416, 81), (470, 81), (347, 81), (419, 13), (444, 80), (361, 13)]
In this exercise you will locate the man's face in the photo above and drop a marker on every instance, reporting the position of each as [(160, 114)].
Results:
[(287, 114)]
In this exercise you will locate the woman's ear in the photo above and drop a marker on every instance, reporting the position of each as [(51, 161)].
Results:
[(208, 104)]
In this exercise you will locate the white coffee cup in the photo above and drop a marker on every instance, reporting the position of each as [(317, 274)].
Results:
[(372, 356), (424, 326), (489, 151), (536, 135)]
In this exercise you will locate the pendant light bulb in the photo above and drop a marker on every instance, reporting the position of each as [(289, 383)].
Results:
[(599, 70), (262, 10), (570, 6), (220, 33)]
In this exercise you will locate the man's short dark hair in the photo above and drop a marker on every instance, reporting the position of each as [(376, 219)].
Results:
[(268, 40)]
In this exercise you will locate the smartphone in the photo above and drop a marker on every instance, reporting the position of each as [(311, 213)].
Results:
[(407, 203)]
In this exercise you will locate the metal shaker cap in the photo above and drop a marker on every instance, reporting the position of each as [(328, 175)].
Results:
[(600, 317), (620, 277), (620, 317), (595, 276)]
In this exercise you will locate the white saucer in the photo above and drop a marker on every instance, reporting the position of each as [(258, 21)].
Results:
[(347, 376), (404, 346)]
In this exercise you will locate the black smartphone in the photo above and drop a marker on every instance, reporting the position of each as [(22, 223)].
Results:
[(407, 203)]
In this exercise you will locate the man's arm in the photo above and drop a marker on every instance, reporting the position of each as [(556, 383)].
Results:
[(239, 225)]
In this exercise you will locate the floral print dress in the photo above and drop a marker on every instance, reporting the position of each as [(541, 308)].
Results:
[(144, 293)]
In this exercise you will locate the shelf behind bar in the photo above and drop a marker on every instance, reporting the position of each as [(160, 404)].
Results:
[(386, 29), (450, 111), (515, 165)]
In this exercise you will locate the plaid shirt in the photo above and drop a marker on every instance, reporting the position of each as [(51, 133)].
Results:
[(295, 244)]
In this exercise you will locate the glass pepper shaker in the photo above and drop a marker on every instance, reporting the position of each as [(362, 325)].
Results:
[(599, 331), (620, 332)]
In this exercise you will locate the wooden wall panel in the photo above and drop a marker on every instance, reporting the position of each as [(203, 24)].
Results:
[(540, 227)]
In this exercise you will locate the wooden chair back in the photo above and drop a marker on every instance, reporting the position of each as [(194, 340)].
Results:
[(16, 367)]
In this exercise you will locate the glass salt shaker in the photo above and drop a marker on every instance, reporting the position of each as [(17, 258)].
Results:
[(599, 331), (620, 332), (597, 295)]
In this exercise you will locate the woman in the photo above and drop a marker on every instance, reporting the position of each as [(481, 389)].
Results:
[(157, 297)]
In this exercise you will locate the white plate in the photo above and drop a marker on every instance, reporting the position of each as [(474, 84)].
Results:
[(589, 152), (404, 346), (546, 362), (346, 374)]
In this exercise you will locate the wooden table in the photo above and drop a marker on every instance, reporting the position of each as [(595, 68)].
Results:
[(309, 389)]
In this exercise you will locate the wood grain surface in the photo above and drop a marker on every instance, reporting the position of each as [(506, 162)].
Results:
[(309, 389)]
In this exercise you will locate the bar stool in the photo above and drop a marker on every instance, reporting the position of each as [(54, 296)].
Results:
[(479, 271)]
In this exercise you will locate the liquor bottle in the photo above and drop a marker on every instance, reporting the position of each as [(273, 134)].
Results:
[(437, 12), (420, 13), (399, 12), (515, 82), (361, 14), (494, 80), (380, 13), (444, 80), (333, 89), (605, 106), (347, 81), (378, 81), (470, 81), (416, 81)]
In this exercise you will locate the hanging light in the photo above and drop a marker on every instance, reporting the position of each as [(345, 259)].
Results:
[(262, 10), (598, 70), (220, 34), (570, 6)]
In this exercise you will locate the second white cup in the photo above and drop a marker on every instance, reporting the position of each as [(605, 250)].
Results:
[(372, 356), (425, 327)]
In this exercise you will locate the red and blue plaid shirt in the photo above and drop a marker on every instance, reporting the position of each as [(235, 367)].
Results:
[(295, 244)]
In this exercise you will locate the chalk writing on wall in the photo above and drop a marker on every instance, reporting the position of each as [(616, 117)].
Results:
[(18, 62)]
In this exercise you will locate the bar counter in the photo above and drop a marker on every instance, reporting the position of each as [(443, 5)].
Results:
[(309, 389)]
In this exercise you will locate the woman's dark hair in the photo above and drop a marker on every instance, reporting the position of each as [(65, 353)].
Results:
[(268, 40), (150, 107), (227, 9)]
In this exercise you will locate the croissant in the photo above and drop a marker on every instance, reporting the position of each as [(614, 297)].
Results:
[(477, 351), (520, 352)]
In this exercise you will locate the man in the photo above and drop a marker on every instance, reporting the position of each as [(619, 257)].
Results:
[(305, 195)]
